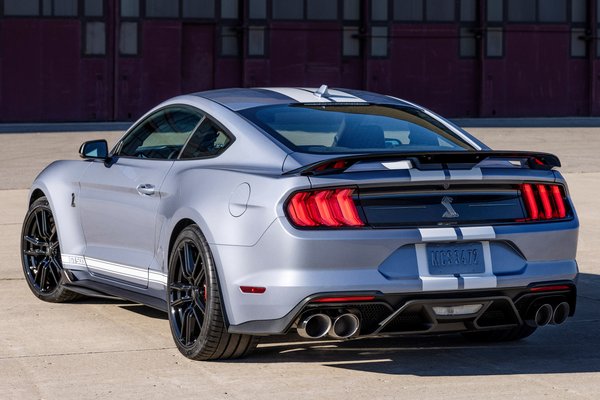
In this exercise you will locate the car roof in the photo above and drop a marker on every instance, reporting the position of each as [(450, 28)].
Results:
[(238, 99)]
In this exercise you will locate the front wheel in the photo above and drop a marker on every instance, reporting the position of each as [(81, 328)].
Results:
[(195, 311), (40, 254)]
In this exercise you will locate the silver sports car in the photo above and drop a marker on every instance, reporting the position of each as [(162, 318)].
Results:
[(328, 213)]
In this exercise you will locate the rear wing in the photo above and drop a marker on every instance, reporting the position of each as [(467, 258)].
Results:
[(431, 160)]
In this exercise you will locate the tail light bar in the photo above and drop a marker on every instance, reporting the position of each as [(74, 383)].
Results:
[(332, 208), (543, 202)]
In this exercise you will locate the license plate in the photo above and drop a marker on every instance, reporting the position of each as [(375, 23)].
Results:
[(455, 258)]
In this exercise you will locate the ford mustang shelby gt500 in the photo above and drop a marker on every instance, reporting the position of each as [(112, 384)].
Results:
[(338, 213)]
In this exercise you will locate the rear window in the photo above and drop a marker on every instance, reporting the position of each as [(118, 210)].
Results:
[(354, 128)]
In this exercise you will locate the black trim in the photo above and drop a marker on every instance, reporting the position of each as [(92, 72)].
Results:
[(518, 299), (204, 115), (105, 289)]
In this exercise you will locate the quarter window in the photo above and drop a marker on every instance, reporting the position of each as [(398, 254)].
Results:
[(162, 135), (208, 140)]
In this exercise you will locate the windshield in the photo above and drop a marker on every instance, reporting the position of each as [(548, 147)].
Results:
[(353, 128)]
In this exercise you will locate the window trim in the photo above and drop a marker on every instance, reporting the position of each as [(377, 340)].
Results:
[(203, 114)]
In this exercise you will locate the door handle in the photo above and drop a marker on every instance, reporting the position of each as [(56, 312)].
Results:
[(146, 189)]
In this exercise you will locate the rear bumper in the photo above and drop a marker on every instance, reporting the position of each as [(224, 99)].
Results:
[(294, 265), (413, 313)]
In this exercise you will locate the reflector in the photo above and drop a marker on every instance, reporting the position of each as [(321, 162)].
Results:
[(253, 289), (447, 311), (345, 299)]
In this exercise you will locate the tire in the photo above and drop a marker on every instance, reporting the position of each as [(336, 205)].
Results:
[(40, 255), (194, 302), (501, 335)]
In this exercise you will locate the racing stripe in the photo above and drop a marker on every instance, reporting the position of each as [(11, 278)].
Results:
[(157, 277), (478, 232), (431, 283), (124, 271), (418, 175), (301, 96), (338, 96), (485, 280), (437, 234), (473, 174)]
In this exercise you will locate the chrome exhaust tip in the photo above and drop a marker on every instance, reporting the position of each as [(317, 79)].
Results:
[(345, 326), (561, 313), (314, 326), (543, 315)]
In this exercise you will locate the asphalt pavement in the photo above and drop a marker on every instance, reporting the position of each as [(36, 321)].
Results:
[(116, 349)]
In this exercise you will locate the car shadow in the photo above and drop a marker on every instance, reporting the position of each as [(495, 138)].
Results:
[(571, 347), (127, 305)]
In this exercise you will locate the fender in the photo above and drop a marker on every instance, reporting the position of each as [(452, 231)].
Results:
[(59, 182)]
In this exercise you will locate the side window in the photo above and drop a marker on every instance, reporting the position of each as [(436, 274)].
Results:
[(162, 135), (208, 140)]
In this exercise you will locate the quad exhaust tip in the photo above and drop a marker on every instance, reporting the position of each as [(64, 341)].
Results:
[(345, 326), (546, 314), (314, 326), (543, 315), (561, 313)]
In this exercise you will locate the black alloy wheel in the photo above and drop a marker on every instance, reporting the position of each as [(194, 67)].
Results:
[(187, 294), (194, 301), (40, 254)]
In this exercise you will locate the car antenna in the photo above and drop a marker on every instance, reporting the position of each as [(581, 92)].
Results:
[(322, 91)]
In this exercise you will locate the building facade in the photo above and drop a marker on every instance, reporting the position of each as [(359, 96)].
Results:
[(110, 60)]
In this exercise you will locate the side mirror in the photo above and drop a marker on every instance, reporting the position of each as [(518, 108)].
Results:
[(94, 149)]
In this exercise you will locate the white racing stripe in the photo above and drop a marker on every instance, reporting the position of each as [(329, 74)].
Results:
[(418, 175), (72, 261), (125, 271), (485, 280), (301, 96), (473, 174), (402, 164), (437, 234), (478, 232), (340, 97), (430, 282), (157, 277)]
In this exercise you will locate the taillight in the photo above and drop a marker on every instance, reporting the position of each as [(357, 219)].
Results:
[(331, 208), (543, 202)]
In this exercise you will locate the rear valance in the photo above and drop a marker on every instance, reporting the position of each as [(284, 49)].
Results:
[(431, 160)]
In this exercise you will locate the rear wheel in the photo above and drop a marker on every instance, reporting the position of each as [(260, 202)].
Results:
[(40, 254), (500, 335), (194, 299)]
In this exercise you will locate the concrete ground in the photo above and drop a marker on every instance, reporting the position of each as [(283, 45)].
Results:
[(116, 349)]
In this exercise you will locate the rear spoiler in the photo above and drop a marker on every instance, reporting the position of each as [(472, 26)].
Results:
[(430, 160)]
